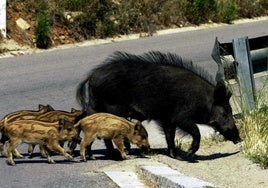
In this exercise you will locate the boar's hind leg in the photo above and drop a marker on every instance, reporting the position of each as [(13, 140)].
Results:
[(170, 137), (11, 145), (109, 146), (4, 139), (87, 141), (30, 150)]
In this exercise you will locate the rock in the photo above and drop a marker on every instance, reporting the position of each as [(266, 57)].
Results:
[(70, 16), (22, 24)]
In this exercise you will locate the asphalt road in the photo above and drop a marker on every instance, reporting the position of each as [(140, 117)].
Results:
[(52, 77)]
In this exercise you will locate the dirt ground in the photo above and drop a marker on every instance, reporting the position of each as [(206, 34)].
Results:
[(223, 165)]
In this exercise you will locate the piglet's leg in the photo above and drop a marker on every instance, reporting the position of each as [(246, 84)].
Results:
[(43, 151), (54, 145), (45, 154), (118, 141), (88, 140), (17, 154), (30, 150), (11, 145)]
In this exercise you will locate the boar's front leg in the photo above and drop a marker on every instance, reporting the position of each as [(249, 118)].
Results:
[(46, 154), (54, 145), (192, 129), (119, 142)]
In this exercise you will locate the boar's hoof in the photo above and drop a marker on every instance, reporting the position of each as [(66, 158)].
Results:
[(172, 153), (69, 157), (50, 160), (92, 157), (17, 154), (11, 163), (83, 159)]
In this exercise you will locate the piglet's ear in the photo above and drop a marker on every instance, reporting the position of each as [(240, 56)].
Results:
[(49, 108), (60, 127), (40, 106), (221, 93), (62, 122), (137, 126)]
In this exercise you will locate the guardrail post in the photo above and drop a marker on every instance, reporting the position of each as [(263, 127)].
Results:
[(3, 18), (244, 72)]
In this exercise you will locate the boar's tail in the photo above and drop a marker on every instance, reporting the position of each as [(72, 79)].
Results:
[(84, 97)]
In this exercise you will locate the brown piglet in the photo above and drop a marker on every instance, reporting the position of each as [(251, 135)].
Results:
[(22, 114), (108, 126), (44, 134)]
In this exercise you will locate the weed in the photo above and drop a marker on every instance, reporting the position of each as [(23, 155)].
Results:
[(226, 11), (201, 11), (42, 31), (254, 129)]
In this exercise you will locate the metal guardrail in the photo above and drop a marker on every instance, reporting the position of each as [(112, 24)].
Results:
[(240, 59)]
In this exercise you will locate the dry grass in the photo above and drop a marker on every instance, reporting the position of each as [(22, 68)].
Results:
[(254, 129)]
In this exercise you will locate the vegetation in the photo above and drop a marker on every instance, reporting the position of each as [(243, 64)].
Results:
[(107, 18), (255, 132), (42, 30)]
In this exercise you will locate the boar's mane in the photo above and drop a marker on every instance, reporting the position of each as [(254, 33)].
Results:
[(159, 58)]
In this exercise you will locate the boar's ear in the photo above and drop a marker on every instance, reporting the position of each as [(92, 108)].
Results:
[(137, 126), (50, 108), (62, 123), (41, 107), (221, 93), (60, 127), (74, 110)]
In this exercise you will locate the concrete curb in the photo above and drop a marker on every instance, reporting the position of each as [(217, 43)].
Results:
[(149, 173), (164, 176)]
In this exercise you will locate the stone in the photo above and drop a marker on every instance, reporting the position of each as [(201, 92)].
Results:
[(22, 24)]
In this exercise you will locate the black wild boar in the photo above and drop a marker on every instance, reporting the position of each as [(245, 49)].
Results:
[(162, 87)]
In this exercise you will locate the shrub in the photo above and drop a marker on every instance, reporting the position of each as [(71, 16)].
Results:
[(42, 31), (226, 11), (201, 11), (86, 25), (252, 8)]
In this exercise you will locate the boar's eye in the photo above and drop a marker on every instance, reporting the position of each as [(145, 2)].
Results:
[(143, 137)]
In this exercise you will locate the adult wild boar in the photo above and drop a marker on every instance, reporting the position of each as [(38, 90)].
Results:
[(161, 87)]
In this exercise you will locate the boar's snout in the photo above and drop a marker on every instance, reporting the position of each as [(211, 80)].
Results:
[(237, 141), (145, 150), (231, 134)]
